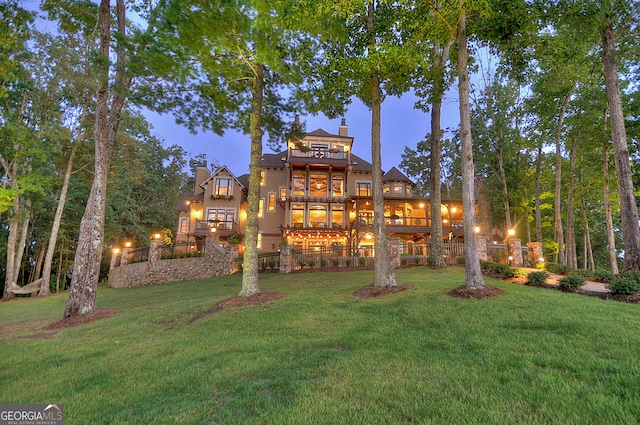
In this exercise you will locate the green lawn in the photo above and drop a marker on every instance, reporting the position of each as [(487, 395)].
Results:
[(317, 356)]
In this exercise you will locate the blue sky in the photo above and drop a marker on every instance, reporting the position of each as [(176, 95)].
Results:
[(402, 125)]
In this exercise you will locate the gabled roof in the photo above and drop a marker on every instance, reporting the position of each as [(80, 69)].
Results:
[(395, 175), (217, 172), (244, 180), (359, 164), (322, 133)]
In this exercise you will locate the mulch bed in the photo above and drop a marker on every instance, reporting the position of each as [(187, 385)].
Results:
[(371, 291), (480, 294), (69, 322), (238, 301)]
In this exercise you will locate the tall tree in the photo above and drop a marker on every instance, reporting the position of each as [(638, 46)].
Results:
[(247, 56)]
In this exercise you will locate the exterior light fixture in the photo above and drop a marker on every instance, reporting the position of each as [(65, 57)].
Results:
[(510, 258), (187, 202), (421, 205), (127, 244), (476, 229), (157, 236), (511, 232), (116, 251), (541, 259), (213, 229)]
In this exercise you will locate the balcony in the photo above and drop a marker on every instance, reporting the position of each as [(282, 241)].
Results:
[(223, 228)]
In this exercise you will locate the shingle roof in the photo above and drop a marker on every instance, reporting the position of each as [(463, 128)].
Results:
[(360, 164), (187, 196), (273, 159), (395, 175)]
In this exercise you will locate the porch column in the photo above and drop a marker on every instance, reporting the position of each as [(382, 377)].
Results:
[(286, 259), (394, 251), (124, 257)]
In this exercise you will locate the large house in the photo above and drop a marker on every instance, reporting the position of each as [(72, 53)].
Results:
[(315, 194)]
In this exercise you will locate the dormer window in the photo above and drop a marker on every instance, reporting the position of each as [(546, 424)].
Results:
[(224, 187)]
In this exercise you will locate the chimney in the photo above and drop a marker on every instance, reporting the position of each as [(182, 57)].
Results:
[(296, 126), (344, 128)]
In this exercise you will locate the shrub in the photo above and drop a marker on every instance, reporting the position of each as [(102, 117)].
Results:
[(534, 278), (460, 260), (404, 260), (572, 281), (557, 268), (348, 262), (580, 272), (312, 264), (537, 265), (335, 262), (626, 283), (301, 263), (362, 261), (518, 272), (323, 262), (417, 261), (497, 269), (603, 275), (271, 263)]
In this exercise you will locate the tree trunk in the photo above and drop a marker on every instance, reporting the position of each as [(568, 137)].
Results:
[(589, 262), (628, 207), (562, 258), (12, 241), (537, 201), (440, 57), (55, 228), (611, 236), (474, 278), (250, 263), (86, 266), (572, 260), (384, 274), (505, 189)]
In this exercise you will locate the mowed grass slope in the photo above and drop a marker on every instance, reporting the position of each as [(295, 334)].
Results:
[(318, 356)]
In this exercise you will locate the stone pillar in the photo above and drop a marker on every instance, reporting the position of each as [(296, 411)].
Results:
[(124, 257), (394, 252), (514, 251), (535, 252), (483, 253), (286, 258), (211, 245), (115, 260), (155, 250)]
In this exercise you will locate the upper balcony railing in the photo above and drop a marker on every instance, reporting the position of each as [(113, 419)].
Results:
[(318, 153)]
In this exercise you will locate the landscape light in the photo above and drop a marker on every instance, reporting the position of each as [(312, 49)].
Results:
[(511, 232)]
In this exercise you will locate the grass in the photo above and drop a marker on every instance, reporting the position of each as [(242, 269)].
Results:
[(317, 356)]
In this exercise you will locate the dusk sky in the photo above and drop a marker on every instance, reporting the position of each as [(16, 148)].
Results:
[(402, 125)]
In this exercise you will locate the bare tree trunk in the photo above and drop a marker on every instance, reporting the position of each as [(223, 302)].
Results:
[(86, 266), (440, 58), (12, 241), (55, 228), (537, 201), (384, 274), (628, 207), (572, 260), (250, 263), (474, 278), (562, 258), (40, 259), (589, 263), (611, 237)]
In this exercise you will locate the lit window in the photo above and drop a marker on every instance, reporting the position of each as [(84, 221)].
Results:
[(318, 185), (318, 216), (261, 209), (298, 184), (263, 178), (385, 189), (297, 215), (223, 187), (363, 189), (184, 225), (338, 185), (398, 188), (259, 243), (283, 193), (271, 206), (337, 217)]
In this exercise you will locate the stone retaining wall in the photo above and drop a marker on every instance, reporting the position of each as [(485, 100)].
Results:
[(218, 261)]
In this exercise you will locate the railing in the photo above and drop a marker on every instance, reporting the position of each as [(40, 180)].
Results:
[(218, 224)]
